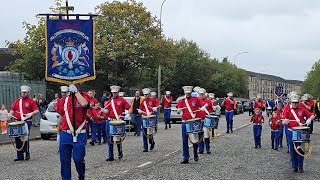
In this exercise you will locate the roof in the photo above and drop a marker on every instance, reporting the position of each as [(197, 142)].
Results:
[(272, 78)]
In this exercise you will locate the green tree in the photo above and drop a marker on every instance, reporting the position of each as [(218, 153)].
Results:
[(311, 84)]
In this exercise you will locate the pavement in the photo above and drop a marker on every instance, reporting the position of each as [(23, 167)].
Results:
[(233, 157)]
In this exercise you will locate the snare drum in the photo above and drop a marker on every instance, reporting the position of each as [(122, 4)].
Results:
[(211, 121), (301, 134), (17, 129), (149, 121), (117, 127), (194, 125)]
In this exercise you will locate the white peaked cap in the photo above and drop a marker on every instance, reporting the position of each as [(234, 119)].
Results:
[(168, 92), (304, 97), (202, 91), (196, 89), (115, 88), (146, 91), (64, 88), (25, 89), (294, 98), (307, 95), (292, 93), (121, 94), (153, 93), (187, 89), (230, 94), (211, 95)]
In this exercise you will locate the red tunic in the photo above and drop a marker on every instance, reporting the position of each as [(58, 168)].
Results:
[(80, 113), (275, 123), (258, 104), (120, 105), (28, 106), (202, 114), (194, 103), (257, 119), (150, 102), (167, 100), (301, 114), (228, 105), (95, 113)]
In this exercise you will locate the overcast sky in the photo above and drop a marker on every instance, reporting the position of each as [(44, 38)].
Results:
[(281, 36)]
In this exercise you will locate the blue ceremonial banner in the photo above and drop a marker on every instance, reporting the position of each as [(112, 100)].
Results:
[(70, 51), (279, 90)]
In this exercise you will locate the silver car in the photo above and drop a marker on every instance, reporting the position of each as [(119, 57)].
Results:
[(49, 122)]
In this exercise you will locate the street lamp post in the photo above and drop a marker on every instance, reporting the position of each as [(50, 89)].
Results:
[(234, 59), (159, 69)]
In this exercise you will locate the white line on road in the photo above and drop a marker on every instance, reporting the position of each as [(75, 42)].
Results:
[(144, 164), (171, 153)]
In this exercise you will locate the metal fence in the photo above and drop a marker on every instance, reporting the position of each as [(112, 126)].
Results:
[(10, 87)]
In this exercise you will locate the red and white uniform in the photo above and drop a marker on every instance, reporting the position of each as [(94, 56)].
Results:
[(95, 113), (150, 103), (257, 119), (275, 123), (258, 104), (301, 114), (167, 100), (194, 103), (202, 114), (228, 105), (80, 113), (28, 106), (120, 105)]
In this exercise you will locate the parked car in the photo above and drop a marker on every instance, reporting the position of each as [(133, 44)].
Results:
[(129, 126), (49, 122), (239, 109), (246, 106), (174, 116)]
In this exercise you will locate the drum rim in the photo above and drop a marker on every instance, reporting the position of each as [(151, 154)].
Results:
[(301, 128), (212, 116), (194, 119), (150, 116), (16, 123), (117, 122)]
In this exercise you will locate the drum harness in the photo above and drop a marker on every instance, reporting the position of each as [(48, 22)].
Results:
[(26, 128), (307, 145), (193, 116), (118, 118), (148, 112)]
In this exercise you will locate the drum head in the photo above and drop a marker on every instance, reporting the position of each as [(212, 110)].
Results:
[(195, 119), (211, 116), (301, 128), (16, 123), (148, 117), (117, 122)]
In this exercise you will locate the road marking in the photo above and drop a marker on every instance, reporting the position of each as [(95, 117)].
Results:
[(171, 153), (144, 164)]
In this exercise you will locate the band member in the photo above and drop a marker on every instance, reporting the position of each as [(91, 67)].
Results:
[(257, 120), (147, 108), (229, 103), (97, 116), (202, 115), (307, 102), (133, 111), (121, 94), (114, 108), (293, 117), (92, 101), (167, 100), (23, 109), (275, 126), (258, 103), (157, 104), (64, 93), (73, 134), (188, 106), (279, 112)]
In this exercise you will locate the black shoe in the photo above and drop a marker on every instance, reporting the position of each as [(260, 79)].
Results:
[(35, 126), (281, 146), (231, 131), (196, 158), (272, 147), (120, 155), (184, 162), (200, 152), (135, 134), (169, 125), (92, 143), (166, 127), (27, 156), (152, 146), (99, 143), (295, 170), (256, 147), (208, 152), (300, 170), (104, 142), (145, 150), (259, 146), (110, 159), (227, 132), (276, 149), (18, 159)]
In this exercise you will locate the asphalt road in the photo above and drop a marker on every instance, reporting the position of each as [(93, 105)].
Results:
[(233, 157)]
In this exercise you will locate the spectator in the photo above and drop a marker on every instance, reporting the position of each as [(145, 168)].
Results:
[(56, 97), (42, 106), (4, 117), (105, 97)]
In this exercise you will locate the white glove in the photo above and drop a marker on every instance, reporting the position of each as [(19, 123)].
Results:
[(308, 122), (155, 109), (179, 110), (140, 111), (73, 88), (148, 113), (285, 121), (104, 110), (203, 108), (29, 115), (127, 117)]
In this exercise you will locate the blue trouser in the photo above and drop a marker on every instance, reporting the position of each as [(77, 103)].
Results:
[(77, 150), (27, 143), (229, 119), (287, 138), (274, 139), (167, 115), (281, 129), (136, 120), (185, 146), (109, 140), (296, 159), (37, 118), (89, 126), (145, 139), (257, 134), (206, 141), (103, 128), (96, 131)]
